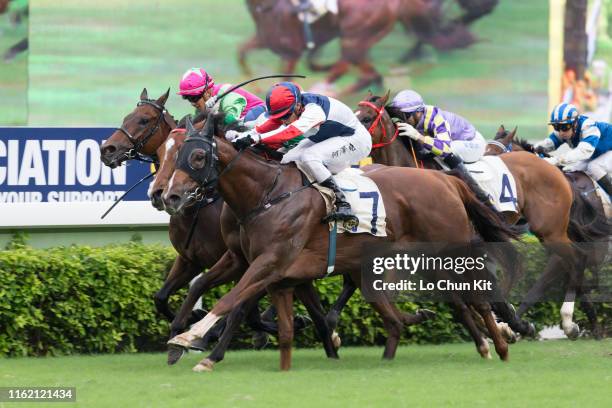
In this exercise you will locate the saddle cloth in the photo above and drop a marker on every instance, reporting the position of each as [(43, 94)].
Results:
[(495, 179), (318, 8), (365, 199)]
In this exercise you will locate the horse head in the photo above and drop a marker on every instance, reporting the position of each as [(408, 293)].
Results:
[(141, 132), (502, 143), (197, 165)]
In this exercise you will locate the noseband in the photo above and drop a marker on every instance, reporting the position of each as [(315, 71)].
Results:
[(137, 145), (372, 128)]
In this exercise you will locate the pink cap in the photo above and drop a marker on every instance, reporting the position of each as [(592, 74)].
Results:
[(194, 82)]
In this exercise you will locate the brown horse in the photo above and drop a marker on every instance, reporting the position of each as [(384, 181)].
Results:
[(286, 243), (143, 130), (544, 199), (360, 24)]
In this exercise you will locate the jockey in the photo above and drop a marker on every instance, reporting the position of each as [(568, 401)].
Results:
[(333, 138), (590, 143), (200, 90), (444, 134)]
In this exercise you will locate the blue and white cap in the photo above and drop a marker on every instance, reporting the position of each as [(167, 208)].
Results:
[(408, 101), (563, 113)]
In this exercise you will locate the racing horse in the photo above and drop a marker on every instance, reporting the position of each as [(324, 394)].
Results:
[(359, 25), (142, 132), (587, 209), (285, 242), (543, 197), (144, 135)]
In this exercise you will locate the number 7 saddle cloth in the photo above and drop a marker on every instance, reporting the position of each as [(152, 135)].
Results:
[(365, 199)]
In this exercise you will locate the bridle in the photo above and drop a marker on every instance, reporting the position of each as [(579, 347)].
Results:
[(501, 146), (137, 145), (377, 121)]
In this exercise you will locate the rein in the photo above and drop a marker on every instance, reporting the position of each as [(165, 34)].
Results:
[(376, 122)]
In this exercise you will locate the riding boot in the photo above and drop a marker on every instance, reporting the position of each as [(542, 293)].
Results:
[(606, 184), (455, 163), (343, 208)]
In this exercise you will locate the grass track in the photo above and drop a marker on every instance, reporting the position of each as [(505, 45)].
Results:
[(549, 374)]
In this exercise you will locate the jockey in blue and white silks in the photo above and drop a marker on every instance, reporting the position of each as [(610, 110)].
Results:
[(590, 143), (445, 134), (333, 137)]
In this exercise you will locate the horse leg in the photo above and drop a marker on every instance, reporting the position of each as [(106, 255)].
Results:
[(228, 268), (337, 70), (348, 289), (463, 314), (501, 347), (244, 49), (589, 309), (310, 298), (393, 325), (548, 277), (288, 66), (180, 274), (283, 300), (571, 329), (232, 324)]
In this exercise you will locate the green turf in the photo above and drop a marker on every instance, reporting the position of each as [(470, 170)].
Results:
[(13, 75), (547, 374), (90, 60)]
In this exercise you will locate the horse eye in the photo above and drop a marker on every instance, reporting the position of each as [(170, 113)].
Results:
[(367, 120), (197, 159), (142, 121)]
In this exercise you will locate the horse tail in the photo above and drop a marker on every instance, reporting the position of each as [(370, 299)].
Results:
[(489, 224), (491, 227), (586, 224)]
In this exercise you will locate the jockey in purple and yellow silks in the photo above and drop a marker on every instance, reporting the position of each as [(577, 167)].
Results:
[(444, 134), (199, 88)]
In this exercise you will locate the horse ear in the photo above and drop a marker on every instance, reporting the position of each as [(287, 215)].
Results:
[(385, 98), (501, 129), (162, 99), (209, 126), (189, 126), (513, 133), (144, 94), (370, 95)]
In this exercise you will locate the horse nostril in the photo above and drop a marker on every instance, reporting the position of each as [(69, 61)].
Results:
[(173, 199), (110, 149)]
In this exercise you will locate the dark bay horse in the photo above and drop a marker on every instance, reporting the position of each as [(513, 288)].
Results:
[(544, 199), (359, 25), (286, 244)]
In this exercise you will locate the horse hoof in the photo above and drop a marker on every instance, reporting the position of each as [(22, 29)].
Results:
[(531, 331), (205, 365), (336, 340), (301, 322), (574, 332), (175, 353), (260, 340)]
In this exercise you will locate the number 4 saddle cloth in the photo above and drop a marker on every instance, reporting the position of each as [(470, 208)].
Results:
[(495, 179), (365, 199)]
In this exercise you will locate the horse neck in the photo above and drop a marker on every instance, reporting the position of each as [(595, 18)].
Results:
[(245, 185), (393, 154)]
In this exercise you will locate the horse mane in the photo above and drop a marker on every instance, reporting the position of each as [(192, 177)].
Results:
[(525, 144)]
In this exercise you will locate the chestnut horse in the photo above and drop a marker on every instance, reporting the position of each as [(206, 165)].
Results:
[(544, 199), (286, 244), (587, 210)]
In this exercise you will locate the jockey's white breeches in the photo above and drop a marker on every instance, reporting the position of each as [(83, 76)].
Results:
[(332, 155), (469, 151), (596, 168)]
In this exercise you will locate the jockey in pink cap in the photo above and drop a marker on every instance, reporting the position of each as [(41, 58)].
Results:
[(199, 88)]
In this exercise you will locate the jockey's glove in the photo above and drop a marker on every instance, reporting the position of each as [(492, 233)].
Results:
[(246, 139), (406, 130), (232, 135), (210, 103), (544, 146)]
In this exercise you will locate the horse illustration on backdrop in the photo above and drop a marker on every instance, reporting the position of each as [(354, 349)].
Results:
[(359, 25)]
